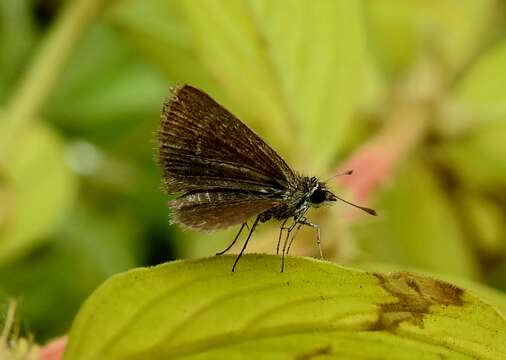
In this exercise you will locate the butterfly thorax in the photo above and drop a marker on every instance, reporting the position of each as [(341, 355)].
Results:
[(297, 199)]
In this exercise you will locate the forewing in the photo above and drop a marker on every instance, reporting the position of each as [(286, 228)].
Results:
[(202, 146), (217, 210)]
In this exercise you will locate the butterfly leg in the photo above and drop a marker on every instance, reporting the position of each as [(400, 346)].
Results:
[(296, 223), (235, 239), (304, 221), (288, 231), (280, 233), (246, 242), (293, 238)]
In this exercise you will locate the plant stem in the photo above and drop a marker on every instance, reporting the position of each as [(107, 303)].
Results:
[(42, 75), (406, 125), (405, 128), (9, 320)]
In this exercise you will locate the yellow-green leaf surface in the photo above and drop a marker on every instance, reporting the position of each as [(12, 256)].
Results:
[(37, 188), (198, 309), (490, 295)]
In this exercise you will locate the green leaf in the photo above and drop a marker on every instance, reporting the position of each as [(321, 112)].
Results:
[(158, 29), (486, 224), (87, 250), (403, 31), (251, 57), (105, 83), (256, 51), (17, 38), (39, 188), (481, 95), (392, 38), (478, 157), (418, 227), (497, 277), (318, 70), (200, 310), (456, 29), (230, 45)]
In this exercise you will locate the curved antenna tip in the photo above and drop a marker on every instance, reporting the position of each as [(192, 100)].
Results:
[(363, 208), (370, 211), (346, 173)]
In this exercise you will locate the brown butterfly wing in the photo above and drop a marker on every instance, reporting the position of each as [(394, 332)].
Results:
[(215, 210), (203, 146), (205, 149)]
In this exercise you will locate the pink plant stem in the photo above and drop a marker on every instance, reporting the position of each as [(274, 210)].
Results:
[(54, 349), (375, 162), (414, 102)]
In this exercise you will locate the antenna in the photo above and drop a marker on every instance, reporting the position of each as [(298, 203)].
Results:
[(363, 208), (349, 172)]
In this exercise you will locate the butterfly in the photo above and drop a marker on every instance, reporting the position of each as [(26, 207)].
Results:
[(224, 174)]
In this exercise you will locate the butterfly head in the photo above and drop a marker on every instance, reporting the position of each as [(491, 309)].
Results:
[(319, 194)]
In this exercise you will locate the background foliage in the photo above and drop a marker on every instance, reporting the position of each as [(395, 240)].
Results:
[(410, 94)]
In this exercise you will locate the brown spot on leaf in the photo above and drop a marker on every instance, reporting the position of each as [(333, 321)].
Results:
[(314, 353), (415, 296)]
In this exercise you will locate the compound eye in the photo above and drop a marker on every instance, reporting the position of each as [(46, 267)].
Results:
[(318, 196)]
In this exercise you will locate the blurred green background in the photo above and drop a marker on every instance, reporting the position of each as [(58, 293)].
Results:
[(410, 94)]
